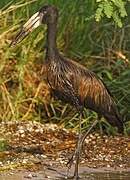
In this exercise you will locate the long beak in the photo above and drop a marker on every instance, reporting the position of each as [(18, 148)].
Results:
[(28, 27)]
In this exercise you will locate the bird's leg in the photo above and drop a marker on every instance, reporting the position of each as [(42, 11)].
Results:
[(80, 145), (86, 134), (76, 154), (100, 125), (101, 130), (78, 150)]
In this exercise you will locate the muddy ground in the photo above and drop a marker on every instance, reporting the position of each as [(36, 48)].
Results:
[(31, 150), (85, 174)]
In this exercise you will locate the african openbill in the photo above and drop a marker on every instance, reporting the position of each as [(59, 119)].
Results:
[(68, 80)]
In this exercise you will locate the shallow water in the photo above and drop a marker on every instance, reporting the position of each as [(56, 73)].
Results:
[(85, 174), (104, 173), (106, 176)]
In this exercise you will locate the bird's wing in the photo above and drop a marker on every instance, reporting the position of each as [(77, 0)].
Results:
[(90, 88)]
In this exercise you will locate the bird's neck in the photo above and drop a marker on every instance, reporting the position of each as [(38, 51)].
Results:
[(51, 46)]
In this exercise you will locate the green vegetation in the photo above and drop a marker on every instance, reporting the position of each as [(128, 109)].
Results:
[(3, 145), (112, 9), (102, 47)]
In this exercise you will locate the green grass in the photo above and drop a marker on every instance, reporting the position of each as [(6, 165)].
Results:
[(100, 47)]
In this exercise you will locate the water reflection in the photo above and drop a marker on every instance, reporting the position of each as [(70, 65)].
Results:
[(106, 176)]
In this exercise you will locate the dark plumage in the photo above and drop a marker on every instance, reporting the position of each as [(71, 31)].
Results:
[(80, 87), (68, 80)]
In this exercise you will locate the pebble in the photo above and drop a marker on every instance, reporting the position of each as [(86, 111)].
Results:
[(108, 165), (87, 141), (22, 135), (43, 156), (49, 177), (21, 131), (100, 152), (24, 161), (28, 176)]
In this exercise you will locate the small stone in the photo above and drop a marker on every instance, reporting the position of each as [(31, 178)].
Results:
[(93, 142), (49, 177), (34, 175), (24, 161), (22, 135), (61, 161), (87, 141), (21, 131), (91, 136), (29, 176), (106, 140), (43, 156), (82, 162)]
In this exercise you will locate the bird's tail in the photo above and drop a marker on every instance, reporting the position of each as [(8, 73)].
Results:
[(115, 119), (105, 105), (99, 99)]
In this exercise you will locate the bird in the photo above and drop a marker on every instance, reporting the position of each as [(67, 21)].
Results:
[(70, 81)]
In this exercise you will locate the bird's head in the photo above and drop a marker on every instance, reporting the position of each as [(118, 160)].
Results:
[(46, 15)]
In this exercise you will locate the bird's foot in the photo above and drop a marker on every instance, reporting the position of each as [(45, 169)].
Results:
[(73, 160), (69, 165), (75, 155), (73, 177)]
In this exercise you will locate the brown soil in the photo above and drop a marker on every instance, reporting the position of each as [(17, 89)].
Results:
[(32, 146)]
